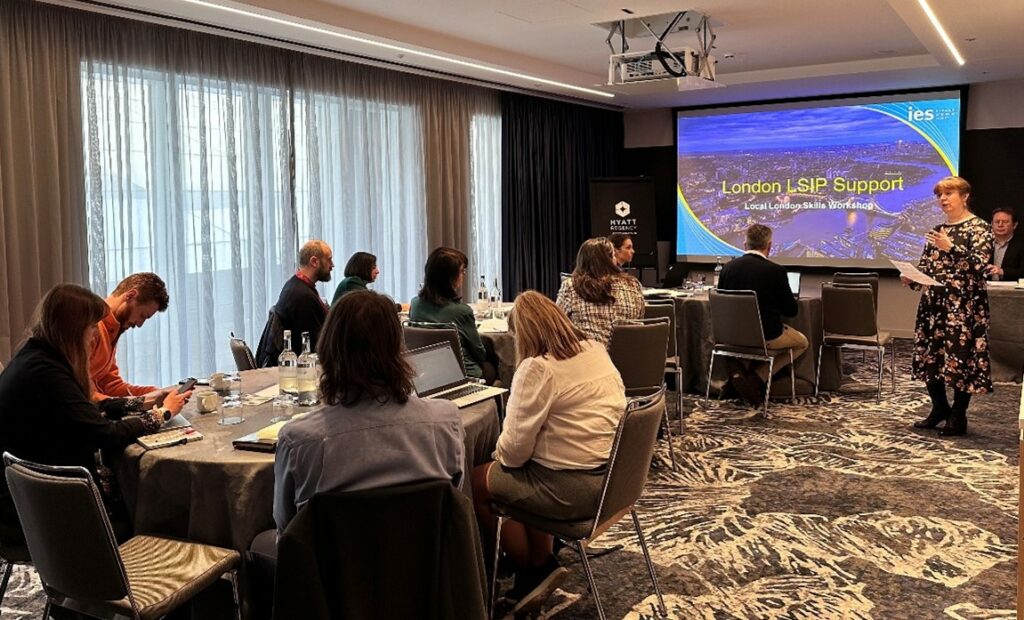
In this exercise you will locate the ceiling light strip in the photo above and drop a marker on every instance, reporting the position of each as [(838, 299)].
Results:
[(402, 50), (942, 32)]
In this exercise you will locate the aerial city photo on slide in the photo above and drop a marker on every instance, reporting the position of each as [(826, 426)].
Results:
[(835, 182)]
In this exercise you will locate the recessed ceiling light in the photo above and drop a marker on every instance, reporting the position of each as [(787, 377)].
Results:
[(404, 50), (942, 31)]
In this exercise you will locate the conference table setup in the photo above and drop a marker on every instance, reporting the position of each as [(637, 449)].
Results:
[(208, 491), (694, 342)]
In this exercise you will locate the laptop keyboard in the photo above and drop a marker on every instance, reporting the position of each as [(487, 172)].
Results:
[(462, 391)]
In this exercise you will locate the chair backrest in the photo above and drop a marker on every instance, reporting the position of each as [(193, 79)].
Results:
[(271, 340), (422, 334), (240, 350), (638, 350), (664, 309), (848, 309), (736, 319), (67, 530), (630, 460), (866, 277), (347, 542)]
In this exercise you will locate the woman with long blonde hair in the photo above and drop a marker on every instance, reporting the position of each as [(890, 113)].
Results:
[(565, 403)]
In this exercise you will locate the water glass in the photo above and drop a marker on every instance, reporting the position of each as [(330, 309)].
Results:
[(234, 386), (231, 413), (283, 408)]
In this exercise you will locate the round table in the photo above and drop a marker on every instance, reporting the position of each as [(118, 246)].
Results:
[(209, 492)]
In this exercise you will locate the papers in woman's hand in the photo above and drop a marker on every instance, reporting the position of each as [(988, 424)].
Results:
[(912, 273)]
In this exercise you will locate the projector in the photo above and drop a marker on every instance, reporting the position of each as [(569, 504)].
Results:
[(645, 66)]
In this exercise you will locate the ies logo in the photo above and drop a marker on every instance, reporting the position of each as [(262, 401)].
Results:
[(622, 208), (914, 114)]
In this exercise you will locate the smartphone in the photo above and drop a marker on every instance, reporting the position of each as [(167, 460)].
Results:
[(187, 385)]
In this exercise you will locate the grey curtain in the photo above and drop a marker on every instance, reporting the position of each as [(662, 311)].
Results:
[(42, 224)]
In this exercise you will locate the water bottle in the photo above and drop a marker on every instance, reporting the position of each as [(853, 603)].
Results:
[(496, 294), (481, 295), (718, 271), (287, 372), (307, 378)]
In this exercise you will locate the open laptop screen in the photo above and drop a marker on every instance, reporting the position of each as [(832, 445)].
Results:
[(794, 282), (435, 367)]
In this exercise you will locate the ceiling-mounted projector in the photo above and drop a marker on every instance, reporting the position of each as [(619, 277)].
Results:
[(691, 68)]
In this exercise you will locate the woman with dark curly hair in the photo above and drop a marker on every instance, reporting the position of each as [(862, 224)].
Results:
[(951, 333)]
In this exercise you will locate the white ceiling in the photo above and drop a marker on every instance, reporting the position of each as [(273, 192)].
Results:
[(775, 49)]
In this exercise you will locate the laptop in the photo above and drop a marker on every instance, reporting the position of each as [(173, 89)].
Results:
[(794, 282), (439, 375), (675, 276)]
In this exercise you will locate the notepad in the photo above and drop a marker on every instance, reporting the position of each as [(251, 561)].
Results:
[(173, 437)]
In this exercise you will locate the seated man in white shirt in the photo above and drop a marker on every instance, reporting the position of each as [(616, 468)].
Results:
[(565, 404)]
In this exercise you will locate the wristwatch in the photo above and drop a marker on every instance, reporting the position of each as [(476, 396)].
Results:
[(164, 413)]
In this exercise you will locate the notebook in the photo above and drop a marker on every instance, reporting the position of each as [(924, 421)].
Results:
[(438, 374), (173, 437)]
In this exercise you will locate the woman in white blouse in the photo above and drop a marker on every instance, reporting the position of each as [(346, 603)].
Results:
[(599, 293), (565, 404)]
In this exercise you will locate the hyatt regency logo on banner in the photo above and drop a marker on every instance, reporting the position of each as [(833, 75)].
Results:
[(622, 223)]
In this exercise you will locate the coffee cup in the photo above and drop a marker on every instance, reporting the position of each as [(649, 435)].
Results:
[(207, 402)]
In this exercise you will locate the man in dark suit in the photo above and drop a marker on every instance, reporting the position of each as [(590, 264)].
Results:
[(754, 272), (1007, 262)]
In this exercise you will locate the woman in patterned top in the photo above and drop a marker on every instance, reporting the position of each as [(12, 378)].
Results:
[(598, 294), (951, 334)]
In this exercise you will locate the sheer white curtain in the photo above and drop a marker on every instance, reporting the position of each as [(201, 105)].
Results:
[(485, 205), (359, 176), (209, 161), (187, 175)]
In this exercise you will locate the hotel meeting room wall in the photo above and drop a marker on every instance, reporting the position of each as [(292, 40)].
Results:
[(992, 155)]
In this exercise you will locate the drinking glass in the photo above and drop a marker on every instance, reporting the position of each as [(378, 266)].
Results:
[(234, 387), (230, 413), (283, 408)]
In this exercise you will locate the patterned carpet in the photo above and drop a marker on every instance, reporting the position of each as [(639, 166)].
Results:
[(832, 508)]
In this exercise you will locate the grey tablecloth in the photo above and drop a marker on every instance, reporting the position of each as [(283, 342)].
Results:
[(208, 492), (693, 331), (1006, 333)]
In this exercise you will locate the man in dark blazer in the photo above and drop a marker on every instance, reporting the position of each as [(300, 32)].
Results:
[(300, 307), (754, 272), (1007, 262)]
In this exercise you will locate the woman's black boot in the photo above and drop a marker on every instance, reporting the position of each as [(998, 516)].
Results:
[(940, 406), (957, 424)]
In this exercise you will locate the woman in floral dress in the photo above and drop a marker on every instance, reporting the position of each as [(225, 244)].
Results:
[(951, 334)]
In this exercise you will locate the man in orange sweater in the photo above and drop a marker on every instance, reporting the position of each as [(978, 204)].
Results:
[(137, 298)]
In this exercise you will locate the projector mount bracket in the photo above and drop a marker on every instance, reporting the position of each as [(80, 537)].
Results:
[(702, 28)]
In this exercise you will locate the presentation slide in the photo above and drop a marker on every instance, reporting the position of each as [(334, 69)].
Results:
[(843, 183)]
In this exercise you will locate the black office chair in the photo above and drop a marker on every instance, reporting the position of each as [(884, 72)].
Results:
[(409, 551), (737, 332), (639, 349), (849, 323), (673, 362), (271, 340), (80, 563), (624, 480), (240, 350)]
